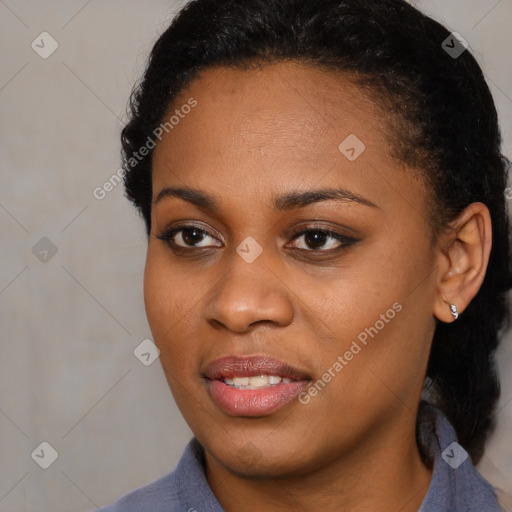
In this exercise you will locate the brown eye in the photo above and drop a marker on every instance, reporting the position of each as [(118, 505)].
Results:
[(315, 239), (187, 237)]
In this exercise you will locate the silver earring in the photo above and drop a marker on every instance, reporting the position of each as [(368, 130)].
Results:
[(454, 311)]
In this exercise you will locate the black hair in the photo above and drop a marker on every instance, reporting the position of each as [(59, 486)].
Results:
[(444, 124)]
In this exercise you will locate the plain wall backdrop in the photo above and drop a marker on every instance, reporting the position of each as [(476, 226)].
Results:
[(71, 301)]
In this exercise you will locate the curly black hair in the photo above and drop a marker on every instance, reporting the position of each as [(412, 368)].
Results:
[(445, 126)]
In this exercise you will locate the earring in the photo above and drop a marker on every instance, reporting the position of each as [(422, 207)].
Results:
[(454, 311)]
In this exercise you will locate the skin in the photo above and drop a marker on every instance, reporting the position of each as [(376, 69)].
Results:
[(263, 132)]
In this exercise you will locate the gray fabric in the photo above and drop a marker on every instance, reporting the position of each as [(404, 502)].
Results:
[(456, 486)]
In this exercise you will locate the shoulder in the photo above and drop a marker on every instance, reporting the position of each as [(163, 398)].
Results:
[(157, 496), (456, 485), (185, 489)]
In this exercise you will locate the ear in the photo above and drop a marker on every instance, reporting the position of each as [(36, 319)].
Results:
[(464, 251)]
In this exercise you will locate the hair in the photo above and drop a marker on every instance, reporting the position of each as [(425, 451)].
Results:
[(442, 123)]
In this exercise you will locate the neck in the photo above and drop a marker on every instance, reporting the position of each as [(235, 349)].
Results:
[(378, 475)]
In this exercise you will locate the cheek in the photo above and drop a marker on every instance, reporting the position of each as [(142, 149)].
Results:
[(380, 352), (170, 303), (171, 308), (159, 297)]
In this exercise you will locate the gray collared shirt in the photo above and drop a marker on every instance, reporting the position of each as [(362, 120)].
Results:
[(456, 486)]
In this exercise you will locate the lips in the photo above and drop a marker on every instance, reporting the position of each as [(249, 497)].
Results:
[(232, 366), (228, 381)]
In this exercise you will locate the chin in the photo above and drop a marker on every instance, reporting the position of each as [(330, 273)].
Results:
[(260, 461)]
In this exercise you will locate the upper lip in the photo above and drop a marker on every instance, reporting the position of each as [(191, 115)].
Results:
[(249, 366)]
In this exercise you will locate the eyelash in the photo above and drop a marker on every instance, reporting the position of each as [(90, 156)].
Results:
[(346, 241)]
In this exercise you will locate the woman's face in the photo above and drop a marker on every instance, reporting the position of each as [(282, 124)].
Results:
[(238, 290)]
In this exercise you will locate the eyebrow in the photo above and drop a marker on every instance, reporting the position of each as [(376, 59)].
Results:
[(284, 202)]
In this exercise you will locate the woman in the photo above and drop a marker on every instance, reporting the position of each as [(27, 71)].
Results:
[(328, 259)]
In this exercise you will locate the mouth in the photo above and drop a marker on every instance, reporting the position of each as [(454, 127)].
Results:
[(256, 381), (253, 385)]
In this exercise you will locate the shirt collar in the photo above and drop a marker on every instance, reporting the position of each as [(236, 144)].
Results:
[(456, 485)]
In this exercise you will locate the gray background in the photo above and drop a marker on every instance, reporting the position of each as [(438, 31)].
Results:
[(69, 325)]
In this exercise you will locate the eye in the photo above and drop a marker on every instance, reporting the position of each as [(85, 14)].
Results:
[(186, 237), (315, 238)]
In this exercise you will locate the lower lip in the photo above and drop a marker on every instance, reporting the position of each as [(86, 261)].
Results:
[(254, 402)]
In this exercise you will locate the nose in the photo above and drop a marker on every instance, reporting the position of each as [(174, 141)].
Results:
[(248, 294)]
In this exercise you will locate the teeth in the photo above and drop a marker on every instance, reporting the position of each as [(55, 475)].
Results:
[(241, 381), (256, 381)]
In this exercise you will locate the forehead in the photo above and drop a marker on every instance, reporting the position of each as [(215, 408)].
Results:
[(292, 101), (256, 133), (285, 111)]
